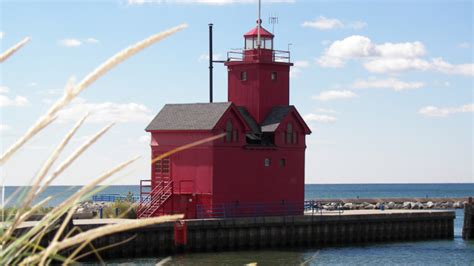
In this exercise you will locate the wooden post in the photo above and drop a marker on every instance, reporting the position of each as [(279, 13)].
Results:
[(468, 229)]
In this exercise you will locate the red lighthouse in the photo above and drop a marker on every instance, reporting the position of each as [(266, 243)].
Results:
[(256, 168)]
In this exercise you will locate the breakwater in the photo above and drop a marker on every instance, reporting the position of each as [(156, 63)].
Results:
[(327, 229), (391, 203)]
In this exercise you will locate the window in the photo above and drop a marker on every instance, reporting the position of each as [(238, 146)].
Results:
[(274, 76), (228, 131), (235, 135), (289, 133), (268, 44), (243, 75), (282, 162), (248, 44), (267, 162)]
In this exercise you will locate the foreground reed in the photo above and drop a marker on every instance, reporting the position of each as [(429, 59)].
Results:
[(26, 249)]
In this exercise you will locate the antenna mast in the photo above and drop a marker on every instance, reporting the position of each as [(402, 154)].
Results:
[(273, 19), (259, 21)]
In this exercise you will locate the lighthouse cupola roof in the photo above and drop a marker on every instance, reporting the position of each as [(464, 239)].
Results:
[(252, 40)]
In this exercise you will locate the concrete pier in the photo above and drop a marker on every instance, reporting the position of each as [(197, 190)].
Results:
[(468, 227), (326, 229)]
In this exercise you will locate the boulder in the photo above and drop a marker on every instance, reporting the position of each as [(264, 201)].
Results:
[(449, 205), (406, 205), (391, 205), (348, 206), (430, 205), (416, 205), (369, 207), (458, 205)]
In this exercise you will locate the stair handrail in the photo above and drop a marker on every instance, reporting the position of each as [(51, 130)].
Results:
[(156, 199), (162, 190), (143, 200)]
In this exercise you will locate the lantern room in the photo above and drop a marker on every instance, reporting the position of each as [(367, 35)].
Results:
[(252, 42)]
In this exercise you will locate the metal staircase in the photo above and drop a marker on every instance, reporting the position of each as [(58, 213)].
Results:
[(152, 201)]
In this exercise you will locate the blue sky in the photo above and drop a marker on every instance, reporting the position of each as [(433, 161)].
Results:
[(386, 86)]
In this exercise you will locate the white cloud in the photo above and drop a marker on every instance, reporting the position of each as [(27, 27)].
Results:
[(70, 43), (324, 110), (434, 111), (357, 46), (301, 63), (442, 66), (297, 68), (7, 101), (387, 57), (2, 34), (106, 112), (4, 89), (324, 23), (18, 101), (91, 40), (319, 118), (206, 2), (334, 95), (390, 83), (4, 128), (357, 25), (205, 57), (50, 92), (387, 65), (32, 84), (464, 45)]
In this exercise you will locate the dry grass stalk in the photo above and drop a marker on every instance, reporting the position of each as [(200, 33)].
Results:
[(72, 92), (48, 221), (27, 214), (26, 247), (35, 190), (64, 165), (49, 163), (13, 49), (91, 185), (100, 232)]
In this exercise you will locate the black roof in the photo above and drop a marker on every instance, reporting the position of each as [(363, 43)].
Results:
[(193, 116), (273, 119), (249, 120)]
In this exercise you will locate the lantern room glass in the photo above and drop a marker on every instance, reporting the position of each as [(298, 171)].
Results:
[(252, 43)]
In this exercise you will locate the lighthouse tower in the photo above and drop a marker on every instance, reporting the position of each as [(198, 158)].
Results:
[(256, 168), (260, 79)]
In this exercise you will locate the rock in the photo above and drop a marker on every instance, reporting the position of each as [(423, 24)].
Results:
[(416, 205), (458, 205), (430, 205), (391, 205), (369, 206), (449, 204), (406, 205), (377, 205), (348, 206), (83, 215)]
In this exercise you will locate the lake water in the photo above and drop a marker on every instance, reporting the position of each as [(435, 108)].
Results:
[(447, 252)]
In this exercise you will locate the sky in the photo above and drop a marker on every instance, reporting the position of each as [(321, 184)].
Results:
[(385, 86)]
